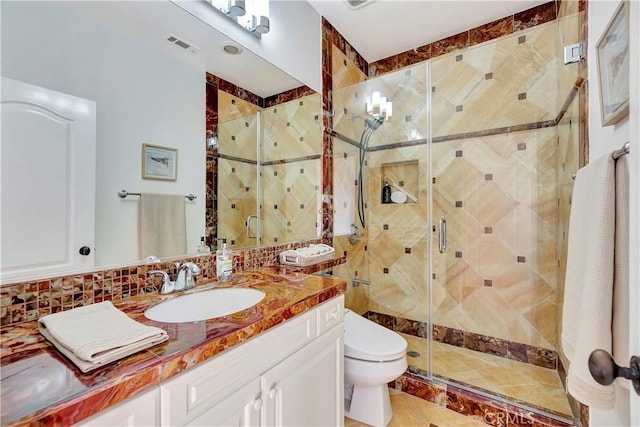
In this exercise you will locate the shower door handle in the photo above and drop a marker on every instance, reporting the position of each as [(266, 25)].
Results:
[(248, 224), (442, 236)]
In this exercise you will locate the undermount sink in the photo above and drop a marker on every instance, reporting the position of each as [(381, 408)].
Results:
[(204, 305)]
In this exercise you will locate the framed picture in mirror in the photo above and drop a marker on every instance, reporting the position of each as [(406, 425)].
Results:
[(159, 162), (612, 51)]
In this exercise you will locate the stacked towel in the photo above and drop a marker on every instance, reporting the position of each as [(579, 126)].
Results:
[(314, 250), (598, 230), (97, 334), (312, 254)]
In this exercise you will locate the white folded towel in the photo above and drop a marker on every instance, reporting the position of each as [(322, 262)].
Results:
[(588, 294), (97, 334)]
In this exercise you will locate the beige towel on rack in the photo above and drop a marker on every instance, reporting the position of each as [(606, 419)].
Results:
[(620, 322), (589, 287), (97, 334), (162, 227)]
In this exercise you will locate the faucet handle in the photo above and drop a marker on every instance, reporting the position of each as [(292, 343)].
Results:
[(192, 270), (167, 285), (192, 267)]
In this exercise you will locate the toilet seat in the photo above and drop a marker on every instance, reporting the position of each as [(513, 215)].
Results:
[(366, 340)]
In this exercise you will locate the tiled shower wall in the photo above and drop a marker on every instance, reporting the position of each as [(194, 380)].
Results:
[(494, 180), (290, 170), (237, 191), (521, 73), (494, 112)]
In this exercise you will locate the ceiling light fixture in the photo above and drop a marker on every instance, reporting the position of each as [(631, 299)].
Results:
[(379, 107), (252, 15), (231, 48)]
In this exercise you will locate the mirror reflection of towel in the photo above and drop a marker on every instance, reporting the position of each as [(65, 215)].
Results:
[(162, 227)]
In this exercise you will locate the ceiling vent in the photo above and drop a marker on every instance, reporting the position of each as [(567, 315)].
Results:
[(172, 38), (357, 4)]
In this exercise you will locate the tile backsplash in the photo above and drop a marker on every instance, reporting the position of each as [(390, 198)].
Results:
[(25, 301)]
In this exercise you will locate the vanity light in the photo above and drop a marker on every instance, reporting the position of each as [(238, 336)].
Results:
[(259, 11), (252, 15), (236, 8), (379, 107)]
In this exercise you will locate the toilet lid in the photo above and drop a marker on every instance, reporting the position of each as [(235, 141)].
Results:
[(366, 340)]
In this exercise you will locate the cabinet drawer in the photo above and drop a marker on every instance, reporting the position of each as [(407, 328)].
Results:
[(329, 314), (141, 410)]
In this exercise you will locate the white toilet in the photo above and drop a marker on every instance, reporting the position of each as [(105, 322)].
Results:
[(373, 356)]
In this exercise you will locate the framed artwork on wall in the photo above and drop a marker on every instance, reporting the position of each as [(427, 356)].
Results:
[(159, 162), (612, 51)]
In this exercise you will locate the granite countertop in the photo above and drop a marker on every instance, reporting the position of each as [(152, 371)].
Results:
[(40, 386)]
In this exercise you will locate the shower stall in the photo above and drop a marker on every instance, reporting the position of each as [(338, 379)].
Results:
[(469, 270)]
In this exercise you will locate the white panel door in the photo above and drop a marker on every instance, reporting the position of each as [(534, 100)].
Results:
[(48, 181)]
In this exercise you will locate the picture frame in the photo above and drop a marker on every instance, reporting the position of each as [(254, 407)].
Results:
[(612, 51), (159, 162)]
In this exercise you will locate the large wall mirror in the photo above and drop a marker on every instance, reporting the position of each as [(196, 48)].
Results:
[(150, 90)]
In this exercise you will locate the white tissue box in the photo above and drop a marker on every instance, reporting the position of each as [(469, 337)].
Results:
[(302, 257)]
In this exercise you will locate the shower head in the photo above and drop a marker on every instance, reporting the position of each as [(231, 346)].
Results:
[(373, 124)]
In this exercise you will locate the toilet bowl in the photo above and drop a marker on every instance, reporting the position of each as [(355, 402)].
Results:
[(373, 356)]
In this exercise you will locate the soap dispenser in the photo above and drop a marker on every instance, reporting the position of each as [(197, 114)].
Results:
[(202, 248), (224, 262), (386, 193)]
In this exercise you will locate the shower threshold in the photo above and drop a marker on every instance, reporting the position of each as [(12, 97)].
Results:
[(534, 389)]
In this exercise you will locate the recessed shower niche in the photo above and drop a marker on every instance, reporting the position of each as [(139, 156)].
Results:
[(403, 181)]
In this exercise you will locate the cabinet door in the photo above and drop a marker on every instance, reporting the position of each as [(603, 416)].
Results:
[(242, 408), (141, 410), (306, 389)]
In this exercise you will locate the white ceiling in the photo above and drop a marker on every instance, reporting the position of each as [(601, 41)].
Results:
[(377, 30), (382, 28), (149, 21)]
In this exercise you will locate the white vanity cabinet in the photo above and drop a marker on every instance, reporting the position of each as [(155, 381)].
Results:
[(141, 410), (290, 375)]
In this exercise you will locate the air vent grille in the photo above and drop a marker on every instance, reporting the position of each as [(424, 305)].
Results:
[(178, 41)]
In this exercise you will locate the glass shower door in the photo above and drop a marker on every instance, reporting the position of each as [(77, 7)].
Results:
[(237, 185), (495, 214)]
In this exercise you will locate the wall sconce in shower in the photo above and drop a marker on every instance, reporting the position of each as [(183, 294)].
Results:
[(379, 107), (252, 15)]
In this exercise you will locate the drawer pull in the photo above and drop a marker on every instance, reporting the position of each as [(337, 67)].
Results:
[(333, 315), (273, 393)]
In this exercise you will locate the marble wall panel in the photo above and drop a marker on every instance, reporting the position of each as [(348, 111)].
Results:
[(291, 208), (292, 130)]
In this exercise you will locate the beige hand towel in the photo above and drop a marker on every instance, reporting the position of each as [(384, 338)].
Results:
[(596, 241), (97, 334), (162, 227), (620, 323)]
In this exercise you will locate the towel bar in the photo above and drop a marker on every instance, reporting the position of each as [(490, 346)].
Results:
[(124, 193), (615, 155)]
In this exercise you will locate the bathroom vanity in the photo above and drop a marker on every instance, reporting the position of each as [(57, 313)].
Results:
[(277, 363)]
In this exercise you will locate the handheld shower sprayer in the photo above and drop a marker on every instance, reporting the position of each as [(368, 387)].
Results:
[(374, 123), (370, 125)]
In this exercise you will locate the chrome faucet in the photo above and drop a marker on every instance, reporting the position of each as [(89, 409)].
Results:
[(185, 279)]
